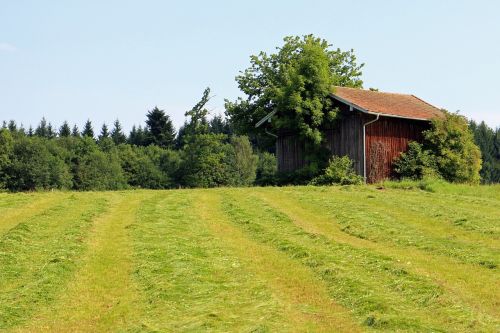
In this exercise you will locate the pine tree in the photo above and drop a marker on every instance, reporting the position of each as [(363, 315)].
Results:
[(88, 130), (65, 130), (41, 130), (132, 137), (484, 137), (219, 125), (50, 131), (117, 133), (21, 130), (75, 132), (12, 126), (160, 130), (30, 131), (138, 136), (104, 132)]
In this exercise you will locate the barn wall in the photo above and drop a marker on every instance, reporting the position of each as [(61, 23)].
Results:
[(385, 140), (289, 152), (344, 138)]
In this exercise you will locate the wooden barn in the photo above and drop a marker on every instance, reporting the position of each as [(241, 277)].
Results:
[(373, 128)]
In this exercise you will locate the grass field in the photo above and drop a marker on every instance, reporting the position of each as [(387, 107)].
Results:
[(292, 259)]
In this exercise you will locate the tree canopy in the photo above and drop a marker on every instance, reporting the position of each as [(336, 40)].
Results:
[(295, 83)]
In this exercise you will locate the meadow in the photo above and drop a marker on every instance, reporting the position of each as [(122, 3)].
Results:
[(290, 259)]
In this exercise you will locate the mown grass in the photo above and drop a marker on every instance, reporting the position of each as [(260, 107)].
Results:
[(393, 257), (40, 254)]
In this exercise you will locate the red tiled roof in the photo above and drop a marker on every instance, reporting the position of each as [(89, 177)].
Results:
[(388, 104)]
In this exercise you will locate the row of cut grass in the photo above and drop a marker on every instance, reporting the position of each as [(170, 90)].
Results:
[(309, 307), (15, 208), (380, 291), (102, 295), (189, 281), (39, 255), (382, 218), (464, 281)]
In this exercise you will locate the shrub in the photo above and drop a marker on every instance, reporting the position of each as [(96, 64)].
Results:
[(415, 163), (267, 168), (338, 171), (6, 145), (244, 161), (33, 167), (207, 161), (448, 151), (99, 171), (139, 168)]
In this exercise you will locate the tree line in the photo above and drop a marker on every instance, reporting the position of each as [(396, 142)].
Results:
[(488, 140), (204, 153)]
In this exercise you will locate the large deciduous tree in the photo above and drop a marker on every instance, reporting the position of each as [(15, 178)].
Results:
[(295, 83)]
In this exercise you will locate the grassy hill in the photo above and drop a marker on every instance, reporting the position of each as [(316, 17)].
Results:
[(332, 259)]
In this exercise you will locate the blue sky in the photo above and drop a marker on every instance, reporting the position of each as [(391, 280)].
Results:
[(73, 60)]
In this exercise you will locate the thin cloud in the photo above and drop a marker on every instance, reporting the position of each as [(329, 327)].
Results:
[(6, 47)]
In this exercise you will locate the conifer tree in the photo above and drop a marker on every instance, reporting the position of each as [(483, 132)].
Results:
[(88, 130), (12, 126), (75, 132), (41, 130), (50, 131), (117, 133), (65, 130), (160, 130), (104, 132)]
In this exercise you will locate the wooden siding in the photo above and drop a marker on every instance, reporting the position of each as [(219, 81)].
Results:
[(289, 152), (344, 138), (385, 140)]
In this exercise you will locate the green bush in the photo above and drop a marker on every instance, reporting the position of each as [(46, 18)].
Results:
[(207, 161), (267, 168), (338, 171), (33, 167), (415, 163), (138, 169), (244, 161), (448, 151), (99, 171), (457, 157), (211, 160), (6, 146)]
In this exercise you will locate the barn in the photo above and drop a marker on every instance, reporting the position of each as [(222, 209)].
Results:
[(373, 128)]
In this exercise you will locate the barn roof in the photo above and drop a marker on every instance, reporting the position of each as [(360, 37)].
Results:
[(387, 104)]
